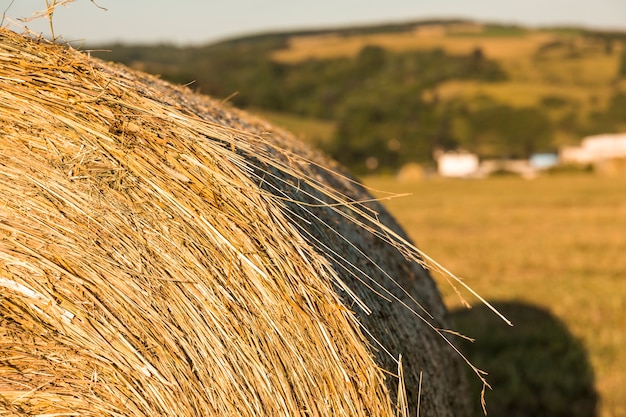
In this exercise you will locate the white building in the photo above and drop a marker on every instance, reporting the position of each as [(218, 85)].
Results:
[(595, 148), (457, 164)]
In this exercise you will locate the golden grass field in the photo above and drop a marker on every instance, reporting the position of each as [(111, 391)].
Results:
[(555, 244)]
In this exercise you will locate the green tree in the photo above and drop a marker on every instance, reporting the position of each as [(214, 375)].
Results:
[(503, 131), (622, 65)]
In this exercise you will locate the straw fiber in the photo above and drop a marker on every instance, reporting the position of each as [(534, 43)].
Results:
[(164, 254)]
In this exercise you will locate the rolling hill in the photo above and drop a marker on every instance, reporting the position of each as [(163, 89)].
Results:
[(391, 94)]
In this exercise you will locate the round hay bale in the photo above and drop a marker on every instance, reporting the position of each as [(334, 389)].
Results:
[(162, 254), (410, 172)]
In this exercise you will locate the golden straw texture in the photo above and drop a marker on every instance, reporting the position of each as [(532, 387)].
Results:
[(161, 254)]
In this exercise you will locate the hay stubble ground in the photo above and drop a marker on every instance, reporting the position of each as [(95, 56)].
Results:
[(555, 244)]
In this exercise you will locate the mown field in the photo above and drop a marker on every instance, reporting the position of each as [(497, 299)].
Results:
[(550, 254)]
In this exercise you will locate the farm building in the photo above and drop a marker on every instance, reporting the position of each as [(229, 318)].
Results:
[(457, 164), (595, 149), (541, 161)]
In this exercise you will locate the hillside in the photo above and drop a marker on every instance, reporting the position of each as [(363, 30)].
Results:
[(379, 97)]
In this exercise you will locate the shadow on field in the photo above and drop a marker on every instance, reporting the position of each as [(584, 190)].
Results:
[(536, 367)]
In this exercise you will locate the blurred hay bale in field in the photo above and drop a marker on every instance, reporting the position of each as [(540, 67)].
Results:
[(161, 254), (610, 167), (410, 172)]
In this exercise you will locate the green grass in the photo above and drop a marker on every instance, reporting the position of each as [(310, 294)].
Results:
[(550, 253)]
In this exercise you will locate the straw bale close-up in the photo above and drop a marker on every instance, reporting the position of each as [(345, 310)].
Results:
[(162, 253)]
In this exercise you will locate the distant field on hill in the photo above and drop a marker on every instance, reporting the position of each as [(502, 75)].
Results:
[(454, 39), (553, 245)]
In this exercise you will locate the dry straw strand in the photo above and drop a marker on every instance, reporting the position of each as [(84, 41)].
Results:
[(47, 13)]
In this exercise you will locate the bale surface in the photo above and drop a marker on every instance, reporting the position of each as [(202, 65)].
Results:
[(164, 254)]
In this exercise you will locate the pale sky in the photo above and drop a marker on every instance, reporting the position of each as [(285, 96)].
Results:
[(203, 21)]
